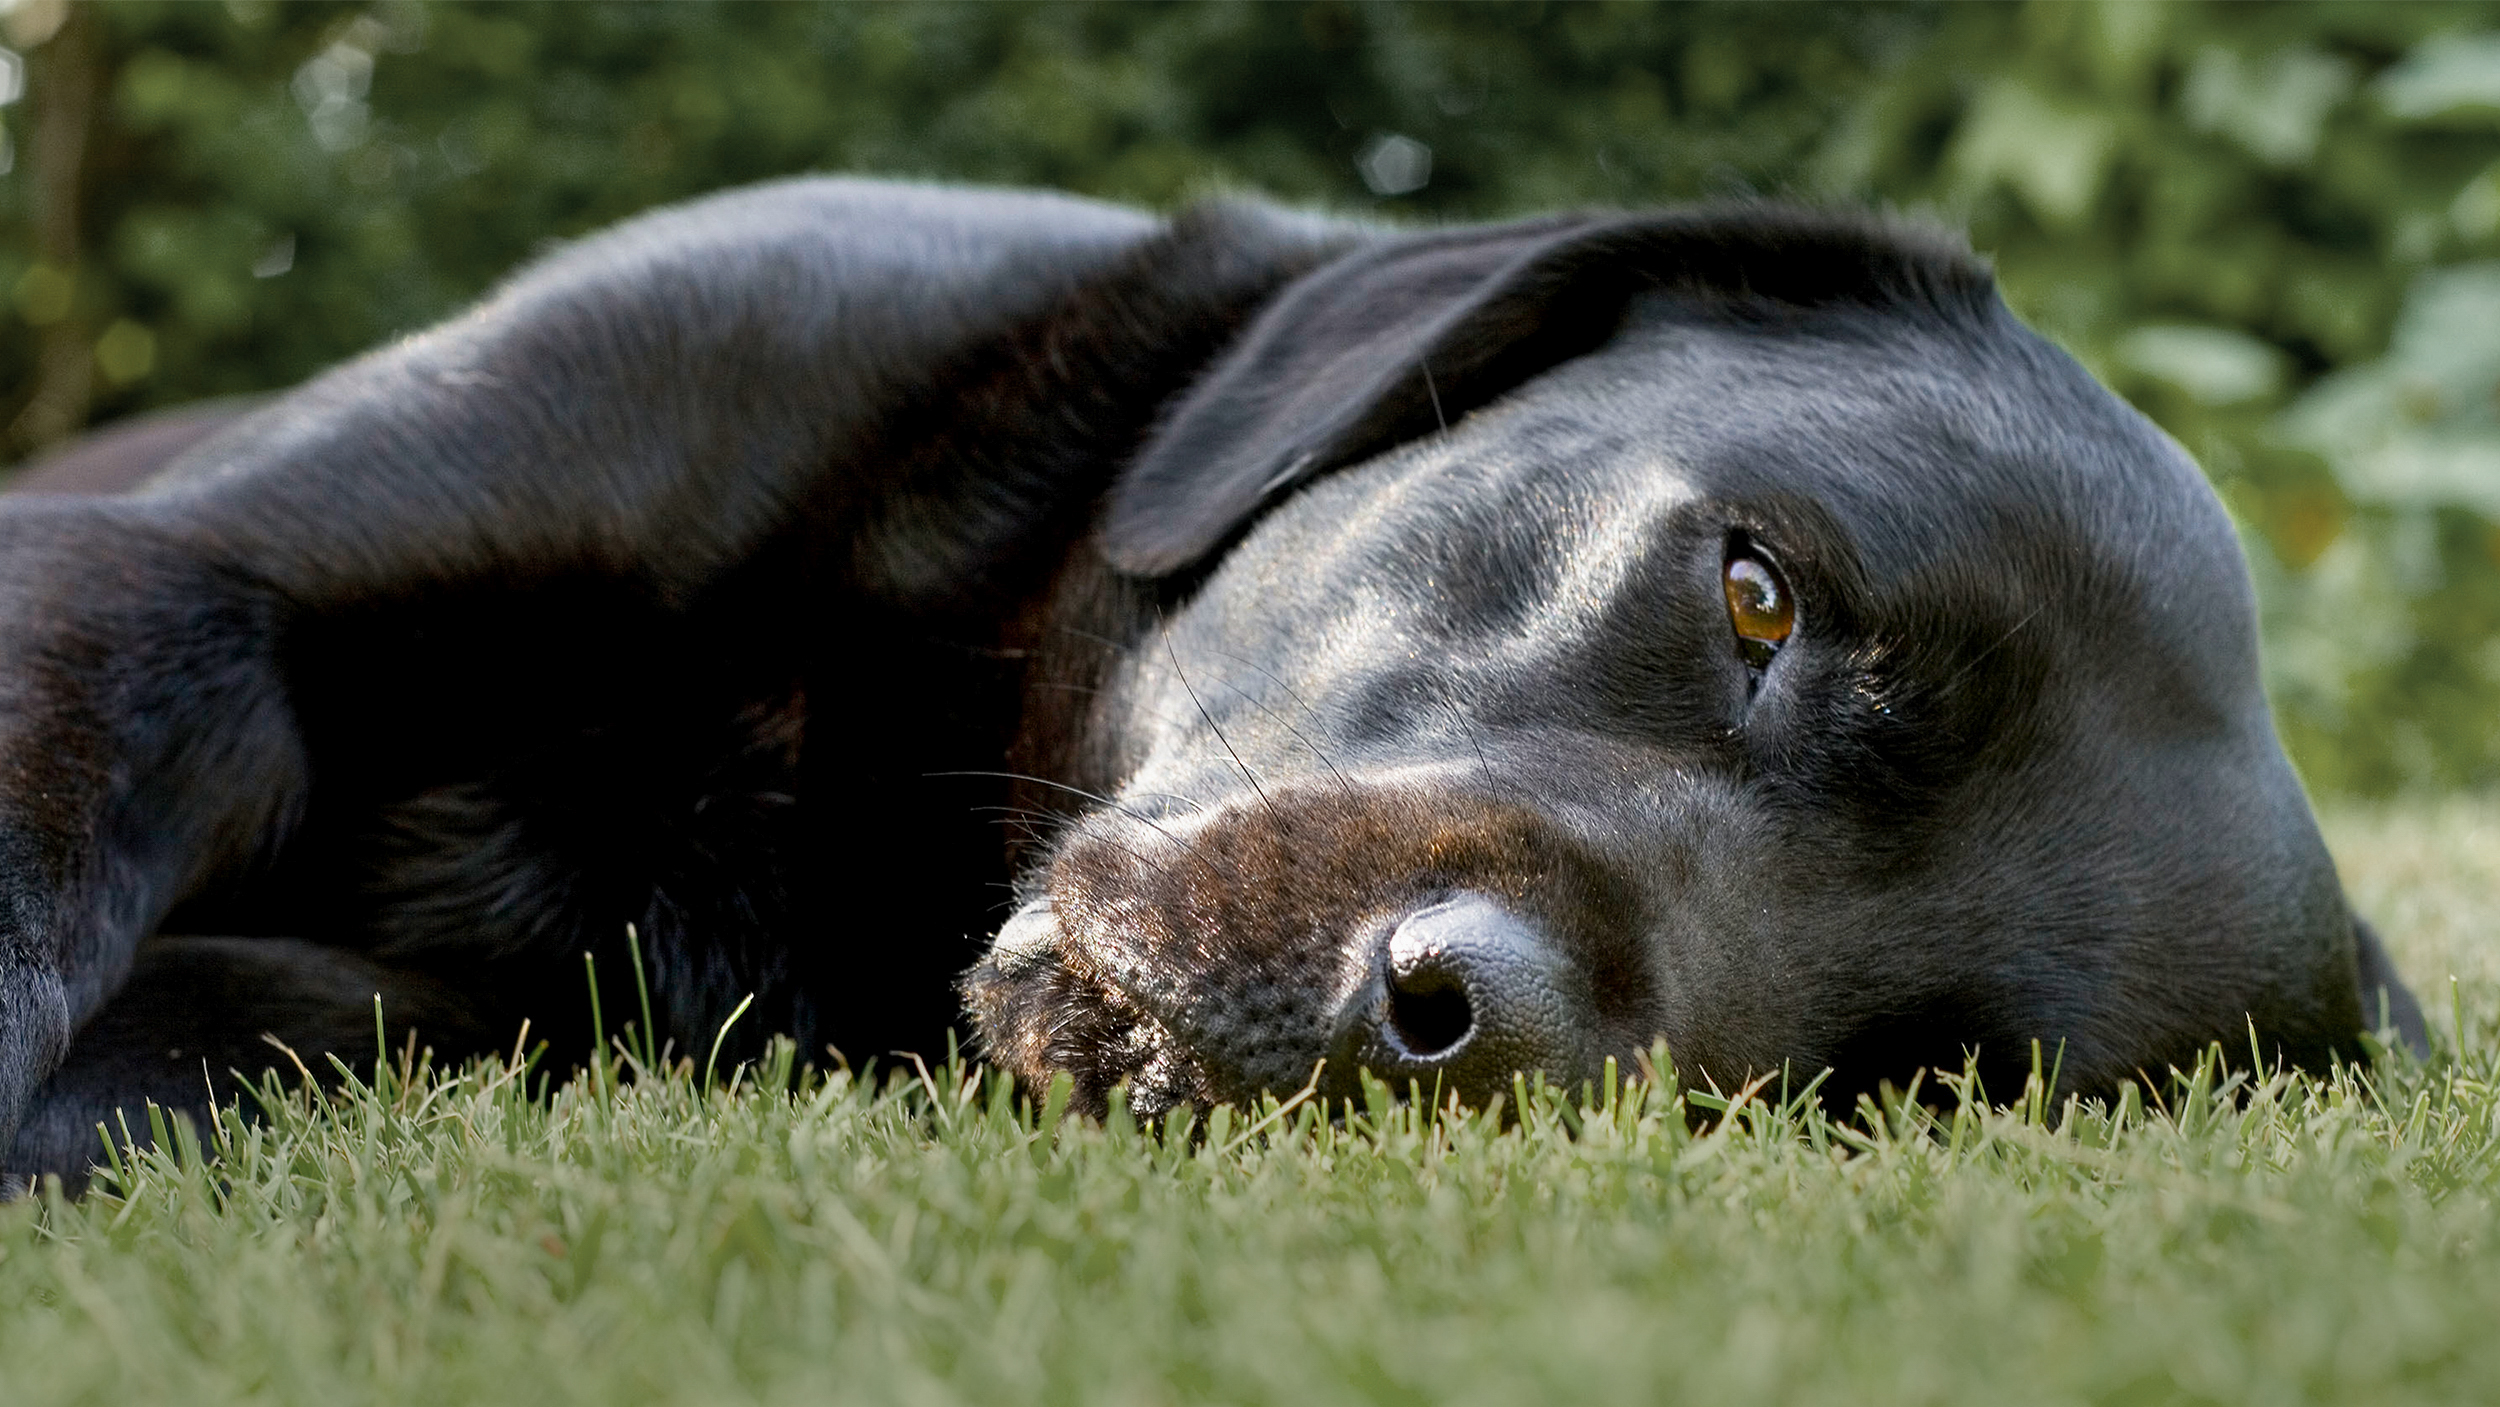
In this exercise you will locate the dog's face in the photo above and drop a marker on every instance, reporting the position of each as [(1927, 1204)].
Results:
[(1830, 690)]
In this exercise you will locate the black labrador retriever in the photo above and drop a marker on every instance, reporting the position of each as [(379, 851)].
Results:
[(1448, 652)]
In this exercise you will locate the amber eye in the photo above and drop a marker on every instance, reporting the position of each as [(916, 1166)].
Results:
[(1758, 606)]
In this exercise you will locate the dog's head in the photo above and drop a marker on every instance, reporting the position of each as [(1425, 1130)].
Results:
[(1732, 627)]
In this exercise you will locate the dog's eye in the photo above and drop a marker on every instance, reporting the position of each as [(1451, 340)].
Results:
[(1758, 606)]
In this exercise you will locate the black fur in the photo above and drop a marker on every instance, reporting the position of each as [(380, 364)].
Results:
[(731, 574)]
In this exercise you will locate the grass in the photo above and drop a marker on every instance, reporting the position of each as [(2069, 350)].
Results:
[(456, 1240)]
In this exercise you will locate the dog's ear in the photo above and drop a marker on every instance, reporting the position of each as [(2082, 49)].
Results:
[(1378, 346), (1398, 338)]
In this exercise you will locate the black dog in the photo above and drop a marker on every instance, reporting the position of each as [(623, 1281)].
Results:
[(1450, 653)]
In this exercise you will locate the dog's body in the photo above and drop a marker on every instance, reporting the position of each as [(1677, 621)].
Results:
[(1341, 619)]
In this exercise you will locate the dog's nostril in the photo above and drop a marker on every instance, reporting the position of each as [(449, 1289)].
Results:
[(1429, 1012), (1470, 993)]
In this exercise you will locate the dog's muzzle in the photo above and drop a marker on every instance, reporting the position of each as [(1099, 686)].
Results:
[(1416, 938)]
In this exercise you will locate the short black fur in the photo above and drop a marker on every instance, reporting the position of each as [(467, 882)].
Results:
[(1333, 613)]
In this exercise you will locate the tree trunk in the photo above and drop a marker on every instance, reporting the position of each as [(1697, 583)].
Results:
[(62, 82)]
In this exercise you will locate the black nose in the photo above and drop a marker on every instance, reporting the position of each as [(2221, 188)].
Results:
[(1473, 995)]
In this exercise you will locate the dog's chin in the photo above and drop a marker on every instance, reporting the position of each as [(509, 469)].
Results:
[(1040, 1011)]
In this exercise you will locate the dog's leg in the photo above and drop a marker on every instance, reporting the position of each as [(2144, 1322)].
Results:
[(2385, 1000), (145, 741), (197, 1015)]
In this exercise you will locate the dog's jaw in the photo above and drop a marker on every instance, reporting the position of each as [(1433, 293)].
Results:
[(1039, 1012)]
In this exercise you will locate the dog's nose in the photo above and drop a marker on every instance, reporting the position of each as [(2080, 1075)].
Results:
[(1473, 995)]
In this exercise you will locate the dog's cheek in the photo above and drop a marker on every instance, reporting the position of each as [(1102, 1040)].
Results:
[(1703, 919)]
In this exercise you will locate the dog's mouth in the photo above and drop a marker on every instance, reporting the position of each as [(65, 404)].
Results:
[(1042, 1008), (1427, 939)]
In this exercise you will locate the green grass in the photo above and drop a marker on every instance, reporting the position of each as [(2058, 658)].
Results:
[(453, 1240)]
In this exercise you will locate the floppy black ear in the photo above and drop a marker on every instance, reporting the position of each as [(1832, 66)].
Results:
[(1385, 344), (1345, 363)]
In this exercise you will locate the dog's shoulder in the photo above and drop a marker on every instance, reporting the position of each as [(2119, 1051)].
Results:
[(882, 264), (702, 373)]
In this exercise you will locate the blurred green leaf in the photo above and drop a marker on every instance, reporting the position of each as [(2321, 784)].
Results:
[(2214, 364), (2444, 75)]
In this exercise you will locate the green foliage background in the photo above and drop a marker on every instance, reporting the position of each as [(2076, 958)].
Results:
[(2275, 227)]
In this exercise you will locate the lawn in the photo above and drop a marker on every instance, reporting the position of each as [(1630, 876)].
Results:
[(458, 1240)]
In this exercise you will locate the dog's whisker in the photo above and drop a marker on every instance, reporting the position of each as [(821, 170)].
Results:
[(1040, 825), (1299, 702), (1026, 825), (1090, 636), (1475, 737), (1097, 798), (1175, 657), (1272, 677), (1287, 725), (1142, 859), (1101, 691)]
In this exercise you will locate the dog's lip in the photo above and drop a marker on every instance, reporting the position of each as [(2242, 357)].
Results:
[(1031, 935), (1029, 952)]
